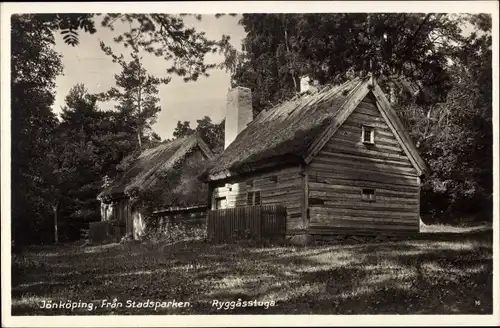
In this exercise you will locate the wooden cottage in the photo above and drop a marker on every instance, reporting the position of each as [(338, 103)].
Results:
[(171, 168), (338, 158)]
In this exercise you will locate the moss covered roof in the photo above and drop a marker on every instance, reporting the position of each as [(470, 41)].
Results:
[(153, 166), (282, 133)]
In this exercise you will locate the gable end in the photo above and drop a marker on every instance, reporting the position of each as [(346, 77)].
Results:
[(344, 112), (398, 129), (372, 90)]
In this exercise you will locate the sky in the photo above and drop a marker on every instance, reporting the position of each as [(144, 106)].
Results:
[(180, 101)]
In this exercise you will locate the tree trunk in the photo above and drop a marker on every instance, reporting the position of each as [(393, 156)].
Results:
[(292, 72), (139, 104), (392, 93), (56, 234), (139, 138)]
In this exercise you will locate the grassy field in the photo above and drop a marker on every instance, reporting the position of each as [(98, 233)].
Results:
[(434, 273)]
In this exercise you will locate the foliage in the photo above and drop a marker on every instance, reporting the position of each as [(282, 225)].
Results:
[(211, 133), (458, 141), (68, 24), (182, 129), (59, 165), (438, 79), (138, 94), (280, 48), (167, 36), (56, 167), (176, 232), (88, 146), (163, 36), (34, 66), (455, 136)]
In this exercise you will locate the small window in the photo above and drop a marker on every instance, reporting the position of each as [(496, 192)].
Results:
[(273, 178), (368, 135), (249, 183), (250, 198), (368, 194), (256, 199), (253, 198), (220, 202), (316, 201)]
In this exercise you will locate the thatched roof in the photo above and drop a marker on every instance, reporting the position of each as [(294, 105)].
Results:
[(283, 133), (153, 167), (294, 131)]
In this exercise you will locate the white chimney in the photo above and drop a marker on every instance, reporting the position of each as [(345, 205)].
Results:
[(239, 113), (307, 85), (304, 83)]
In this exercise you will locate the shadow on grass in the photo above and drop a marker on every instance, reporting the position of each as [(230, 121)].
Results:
[(442, 274)]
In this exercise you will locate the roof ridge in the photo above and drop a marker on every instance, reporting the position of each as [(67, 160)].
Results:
[(285, 129), (148, 178), (203, 145)]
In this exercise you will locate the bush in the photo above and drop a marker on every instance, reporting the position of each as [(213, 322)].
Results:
[(243, 235), (176, 232), (128, 237)]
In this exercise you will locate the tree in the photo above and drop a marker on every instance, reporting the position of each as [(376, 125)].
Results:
[(69, 25), (74, 157), (34, 66), (88, 145), (212, 134), (164, 36), (182, 129), (330, 48), (438, 79), (457, 135), (138, 96), (167, 36)]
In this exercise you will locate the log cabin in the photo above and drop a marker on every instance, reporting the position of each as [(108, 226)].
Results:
[(173, 168), (338, 158)]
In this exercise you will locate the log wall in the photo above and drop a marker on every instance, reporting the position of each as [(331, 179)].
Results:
[(346, 165), (283, 186)]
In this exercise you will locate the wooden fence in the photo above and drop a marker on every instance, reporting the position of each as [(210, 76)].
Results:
[(247, 222)]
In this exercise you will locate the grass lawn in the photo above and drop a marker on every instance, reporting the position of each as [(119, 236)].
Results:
[(429, 274)]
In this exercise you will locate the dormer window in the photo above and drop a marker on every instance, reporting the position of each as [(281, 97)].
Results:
[(368, 135)]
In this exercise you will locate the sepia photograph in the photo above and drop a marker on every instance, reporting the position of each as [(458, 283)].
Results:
[(212, 160)]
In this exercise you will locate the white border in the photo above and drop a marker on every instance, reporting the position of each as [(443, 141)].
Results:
[(212, 7)]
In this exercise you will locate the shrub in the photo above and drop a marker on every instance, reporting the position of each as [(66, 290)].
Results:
[(176, 232), (128, 237)]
